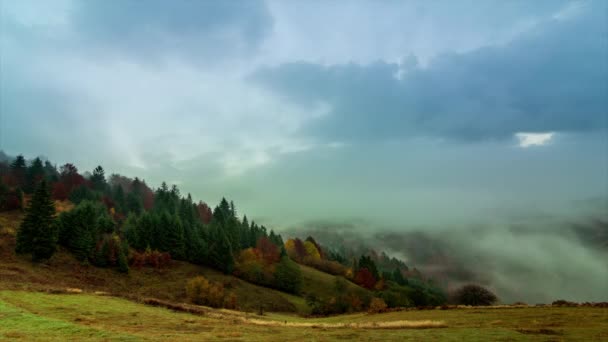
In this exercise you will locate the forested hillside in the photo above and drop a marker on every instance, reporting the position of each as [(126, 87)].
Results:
[(122, 223)]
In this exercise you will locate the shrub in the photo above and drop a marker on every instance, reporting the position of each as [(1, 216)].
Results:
[(377, 305), (151, 258), (200, 291), (474, 295)]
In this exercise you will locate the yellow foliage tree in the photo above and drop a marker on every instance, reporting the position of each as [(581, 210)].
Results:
[(290, 248), (312, 250)]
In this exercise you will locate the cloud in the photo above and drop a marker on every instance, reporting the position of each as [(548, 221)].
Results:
[(533, 139), (210, 31), (550, 79), (519, 262)]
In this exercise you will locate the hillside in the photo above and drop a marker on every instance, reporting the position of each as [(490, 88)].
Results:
[(63, 271)]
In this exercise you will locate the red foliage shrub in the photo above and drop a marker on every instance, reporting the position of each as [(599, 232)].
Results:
[(150, 258), (60, 192), (365, 278)]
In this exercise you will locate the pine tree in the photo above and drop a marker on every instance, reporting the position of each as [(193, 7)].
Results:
[(34, 174), (38, 232), (173, 241), (220, 250), (98, 179), (18, 170), (123, 264)]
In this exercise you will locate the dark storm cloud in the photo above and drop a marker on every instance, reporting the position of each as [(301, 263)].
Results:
[(198, 29), (551, 78)]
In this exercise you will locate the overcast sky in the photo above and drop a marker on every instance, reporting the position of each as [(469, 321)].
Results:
[(389, 113)]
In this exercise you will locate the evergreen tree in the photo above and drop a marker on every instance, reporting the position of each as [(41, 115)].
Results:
[(123, 251), (398, 277), (18, 170), (79, 229), (98, 179), (220, 250), (118, 195), (50, 171), (34, 174), (173, 241), (38, 232)]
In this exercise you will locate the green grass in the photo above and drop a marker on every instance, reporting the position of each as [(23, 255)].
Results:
[(41, 316)]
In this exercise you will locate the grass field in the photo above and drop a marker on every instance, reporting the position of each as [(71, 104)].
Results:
[(41, 316)]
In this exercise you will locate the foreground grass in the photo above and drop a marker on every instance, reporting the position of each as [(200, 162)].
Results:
[(41, 316)]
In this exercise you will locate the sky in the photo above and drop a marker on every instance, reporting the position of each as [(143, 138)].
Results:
[(391, 116)]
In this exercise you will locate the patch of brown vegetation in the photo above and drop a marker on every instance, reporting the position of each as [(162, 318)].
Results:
[(541, 331)]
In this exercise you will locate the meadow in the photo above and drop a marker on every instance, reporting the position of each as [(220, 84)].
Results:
[(26, 315)]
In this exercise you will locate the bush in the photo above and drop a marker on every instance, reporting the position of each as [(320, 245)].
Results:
[(200, 291), (474, 295), (151, 258), (377, 305)]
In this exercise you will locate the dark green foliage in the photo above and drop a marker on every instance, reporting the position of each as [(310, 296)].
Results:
[(38, 232), (134, 203), (120, 202), (423, 294), (396, 296), (397, 277), (18, 171), (98, 179), (220, 251), (34, 174), (80, 228), (173, 241), (50, 172), (83, 193), (474, 295), (123, 264), (288, 276)]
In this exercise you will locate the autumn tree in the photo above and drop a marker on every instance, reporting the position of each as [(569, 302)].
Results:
[(365, 278), (38, 234)]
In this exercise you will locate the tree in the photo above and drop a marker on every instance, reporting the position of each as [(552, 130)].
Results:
[(311, 250), (365, 278), (70, 177), (17, 171), (79, 228), (397, 276), (220, 250), (34, 174), (367, 262), (98, 179), (38, 232), (269, 251), (474, 295)]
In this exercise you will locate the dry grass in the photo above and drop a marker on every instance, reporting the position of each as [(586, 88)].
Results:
[(424, 324)]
